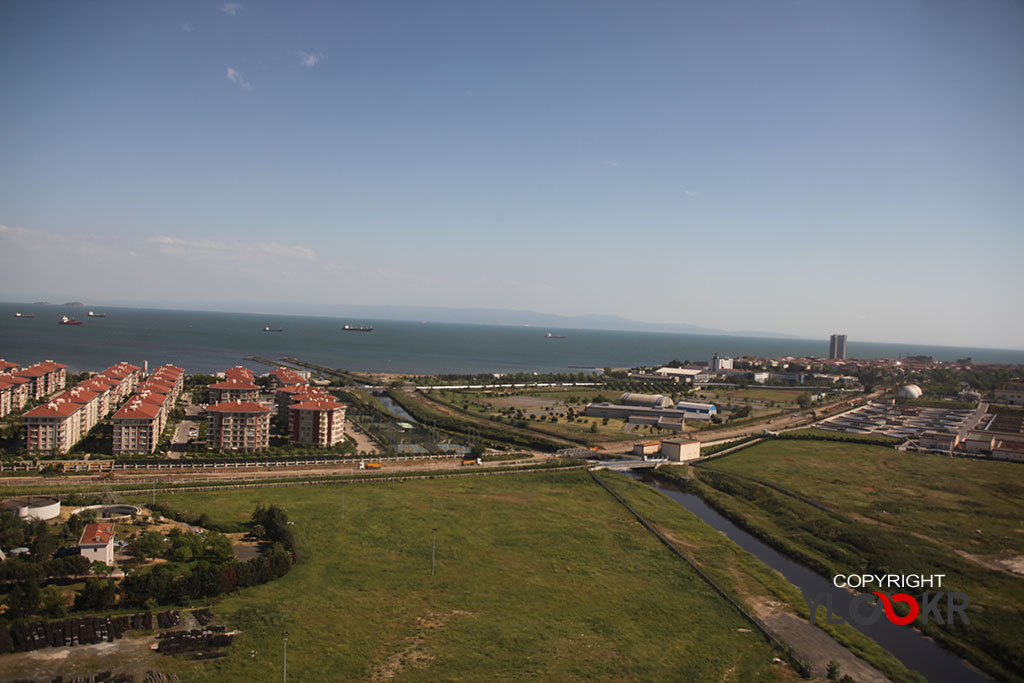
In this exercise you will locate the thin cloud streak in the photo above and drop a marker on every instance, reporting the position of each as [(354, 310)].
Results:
[(237, 79), (235, 252), (232, 8), (309, 59)]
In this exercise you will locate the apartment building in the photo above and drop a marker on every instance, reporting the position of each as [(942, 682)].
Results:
[(317, 421), (238, 426), (127, 377), (53, 427), (43, 378), (137, 427), (283, 377), (234, 390)]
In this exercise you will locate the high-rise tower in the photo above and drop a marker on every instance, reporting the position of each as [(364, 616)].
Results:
[(837, 347)]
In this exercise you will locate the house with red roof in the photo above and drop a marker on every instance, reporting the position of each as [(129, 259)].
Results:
[(97, 543)]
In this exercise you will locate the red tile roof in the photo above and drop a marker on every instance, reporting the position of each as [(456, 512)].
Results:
[(318, 404), (234, 384), (79, 395), (238, 407), (135, 409), (99, 533), (55, 408), (7, 365)]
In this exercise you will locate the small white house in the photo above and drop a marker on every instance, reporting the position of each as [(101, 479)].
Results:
[(97, 543)]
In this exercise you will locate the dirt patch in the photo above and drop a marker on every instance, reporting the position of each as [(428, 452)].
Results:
[(414, 655), (128, 655), (1013, 564)]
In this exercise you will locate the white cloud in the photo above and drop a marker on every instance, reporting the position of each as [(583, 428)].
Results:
[(310, 59), (187, 27), (690, 193), (231, 8), (234, 252), (237, 79)]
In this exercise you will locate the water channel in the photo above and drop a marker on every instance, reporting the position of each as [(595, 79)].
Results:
[(395, 409), (909, 645)]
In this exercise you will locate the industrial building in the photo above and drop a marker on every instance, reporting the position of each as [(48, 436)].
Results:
[(1011, 393), (32, 507), (680, 450), (719, 363)]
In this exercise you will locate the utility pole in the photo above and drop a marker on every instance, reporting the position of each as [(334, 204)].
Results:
[(343, 503), (433, 549), (284, 636)]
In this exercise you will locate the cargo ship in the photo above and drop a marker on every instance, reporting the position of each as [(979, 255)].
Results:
[(554, 336), (357, 328), (24, 315), (64, 320), (97, 315), (273, 329)]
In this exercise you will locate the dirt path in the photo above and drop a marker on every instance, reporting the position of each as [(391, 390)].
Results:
[(363, 441), (813, 645)]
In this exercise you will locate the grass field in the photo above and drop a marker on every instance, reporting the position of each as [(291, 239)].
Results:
[(537, 576), (829, 434), (533, 409), (904, 513)]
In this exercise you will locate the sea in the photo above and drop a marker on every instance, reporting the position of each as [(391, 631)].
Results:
[(202, 341)]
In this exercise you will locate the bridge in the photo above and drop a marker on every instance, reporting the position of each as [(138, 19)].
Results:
[(627, 464)]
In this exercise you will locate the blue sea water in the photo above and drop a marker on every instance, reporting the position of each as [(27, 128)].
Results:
[(203, 341)]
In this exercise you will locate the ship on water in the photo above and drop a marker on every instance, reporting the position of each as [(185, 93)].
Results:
[(97, 315), (273, 329), (24, 315), (64, 320), (554, 336), (357, 328)]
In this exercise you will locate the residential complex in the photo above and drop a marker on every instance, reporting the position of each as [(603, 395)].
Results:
[(317, 421)]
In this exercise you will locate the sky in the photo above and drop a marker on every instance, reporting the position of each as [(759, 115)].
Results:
[(804, 167)]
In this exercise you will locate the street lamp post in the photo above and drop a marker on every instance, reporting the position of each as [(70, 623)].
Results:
[(284, 637)]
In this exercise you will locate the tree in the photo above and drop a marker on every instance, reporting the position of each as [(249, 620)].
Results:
[(593, 428), (803, 400), (23, 599), (832, 672), (146, 546), (54, 603), (220, 547)]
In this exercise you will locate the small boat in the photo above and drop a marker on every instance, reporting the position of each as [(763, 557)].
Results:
[(24, 315), (97, 315), (273, 329), (554, 336), (357, 328), (64, 320)]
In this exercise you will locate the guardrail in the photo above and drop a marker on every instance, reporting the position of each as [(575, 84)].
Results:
[(149, 465)]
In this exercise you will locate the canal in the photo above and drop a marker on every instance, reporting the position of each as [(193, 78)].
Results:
[(907, 644)]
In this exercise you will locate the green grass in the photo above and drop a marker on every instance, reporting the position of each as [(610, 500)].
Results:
[(904, 513), (744, 577), (537, 576)]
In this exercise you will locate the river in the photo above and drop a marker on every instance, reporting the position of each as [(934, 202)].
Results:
[(909, 645)]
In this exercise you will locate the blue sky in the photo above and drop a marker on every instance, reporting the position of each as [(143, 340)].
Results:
[(804, 167)]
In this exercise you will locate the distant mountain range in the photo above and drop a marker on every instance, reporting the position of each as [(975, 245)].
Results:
[(477, 316)]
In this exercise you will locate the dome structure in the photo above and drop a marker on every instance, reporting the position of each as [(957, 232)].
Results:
[(910, 391)]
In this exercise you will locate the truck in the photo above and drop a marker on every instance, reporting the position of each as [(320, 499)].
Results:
[(363, 465)]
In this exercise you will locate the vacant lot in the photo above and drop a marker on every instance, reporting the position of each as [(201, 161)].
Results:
[(537, 576), (901, 513)]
